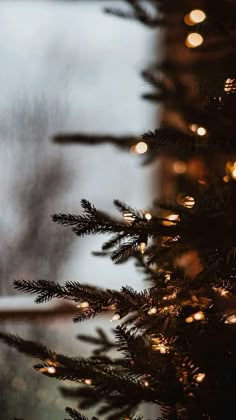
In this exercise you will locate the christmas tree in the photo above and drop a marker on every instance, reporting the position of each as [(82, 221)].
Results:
[(175, 344)]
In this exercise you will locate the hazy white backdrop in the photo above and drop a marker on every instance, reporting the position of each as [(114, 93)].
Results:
[(65, 66)]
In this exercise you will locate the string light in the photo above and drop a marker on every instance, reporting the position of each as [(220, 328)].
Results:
[(152, 311), (202, 182), (142, 247), (116, 317), (170, 219), (145, 383), (193, 127), (140, 148), (201, 131), (189, 202), (148, 216), (83, 305), (159, 345), (173, 217), (170, 297), (200, 377), (189, 319), (193, 40), (221, 291), (230, 168), (230, 319), (198, 316), (197, 16), (129, 217), (167, 277), (49, 369), (179, 167), (229, 85), (88, 381)]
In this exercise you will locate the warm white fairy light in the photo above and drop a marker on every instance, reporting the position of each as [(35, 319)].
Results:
[(129, 217), (193, 127), (170, 297), (167, 277), (116, 317), (229, 85), (230, 168), (148, 216), (142, 247), (173, 217), (189, 202), (140, 148), (51, 370), (83, 305), (200, 377), (221, 291), (88, 381), (179, 167), (197, 16), (198, 316), (159, 345), (189, 319), (145, 383), (201, 131), (230, 319), (152, 311), (193, 40), (198, 129)]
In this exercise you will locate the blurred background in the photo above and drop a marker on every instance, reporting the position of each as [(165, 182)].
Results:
[(65, 66)]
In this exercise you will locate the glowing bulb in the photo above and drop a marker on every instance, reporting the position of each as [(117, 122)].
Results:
[(148, 216), (200, 377), (189, 202), (51, 370), (193, 40), (229, 85), (193, 127), (158, 345), (230, 319), (221, 291), (173, 217), (231, 170), (167, 277), (145, 383), (179, 167), (140, 148), (189, 319), (142, 247), (198, 316), (169, 297), (202, 182), (116, 317), (201, 131), (83, 305), (152, 311), (88, 381), (197, 16), (188, 21), (226, 178), (129, 217)]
